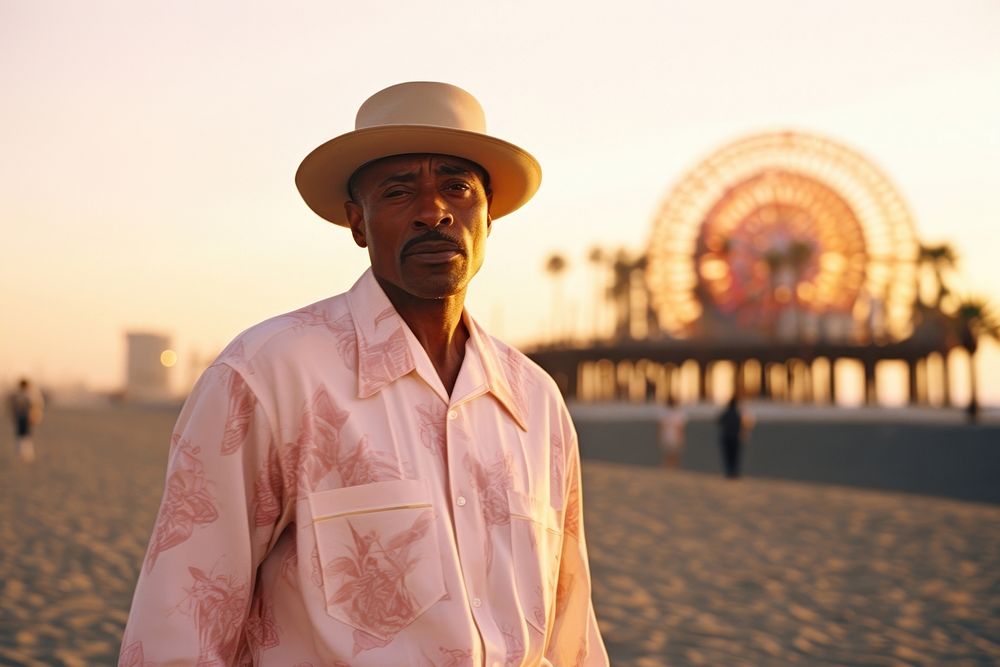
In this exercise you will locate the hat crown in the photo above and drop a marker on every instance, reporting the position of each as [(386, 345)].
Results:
[(423, 103), (417, 117)]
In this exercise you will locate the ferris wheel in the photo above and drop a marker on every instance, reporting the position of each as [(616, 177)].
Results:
[(781, 223)]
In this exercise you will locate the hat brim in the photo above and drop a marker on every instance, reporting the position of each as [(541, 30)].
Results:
[(323, 175)]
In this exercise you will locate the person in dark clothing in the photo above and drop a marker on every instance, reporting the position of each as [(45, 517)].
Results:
[(25, 407), (732, 425)]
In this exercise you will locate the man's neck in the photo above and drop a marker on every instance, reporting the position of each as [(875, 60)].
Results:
[(437, 325)]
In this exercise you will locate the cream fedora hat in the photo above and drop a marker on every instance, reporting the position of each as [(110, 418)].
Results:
[(416, 117)]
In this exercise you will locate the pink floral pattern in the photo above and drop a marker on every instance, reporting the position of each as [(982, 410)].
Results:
[(492, 483), (186, 503), (451, 657), (373, 591), (342, 328), (319, 450), (431, 421), (365, 465), (383, 362), (236, 356), (132, 656), (314, 453), (387, 314), (563, 590), (535, 599), (315, 567), (571, 522), (346, 340), (219, 607), (241, 407), (515, 646), (268, 488), (262, 630), (538, 606), (556, 462), (520, 382), (316, 314), (366, 642), (327, 419)]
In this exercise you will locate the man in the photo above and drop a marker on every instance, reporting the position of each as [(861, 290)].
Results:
[(25, 407), (734, 425), (373, 479)]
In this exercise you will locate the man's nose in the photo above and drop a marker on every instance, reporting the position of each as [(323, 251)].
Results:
[(432, 210)]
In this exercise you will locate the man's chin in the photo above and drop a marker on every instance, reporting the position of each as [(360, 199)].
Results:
[(445, 277), (433, 287), (436, 292)]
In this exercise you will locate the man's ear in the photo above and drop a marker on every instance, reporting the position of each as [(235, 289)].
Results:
[(489, 218), (356, 219)]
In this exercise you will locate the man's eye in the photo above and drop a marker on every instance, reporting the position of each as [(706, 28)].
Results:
[(459, 186), (395, 192)]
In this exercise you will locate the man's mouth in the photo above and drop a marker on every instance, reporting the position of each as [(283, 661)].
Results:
[(433, 251)]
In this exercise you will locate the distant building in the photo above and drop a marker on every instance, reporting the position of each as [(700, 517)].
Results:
[(147, 378)]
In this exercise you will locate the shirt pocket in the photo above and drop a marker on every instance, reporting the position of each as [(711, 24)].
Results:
[(536, 542), (379, 554)]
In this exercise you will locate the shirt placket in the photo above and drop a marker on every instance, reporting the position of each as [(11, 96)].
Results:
[(471, 531)]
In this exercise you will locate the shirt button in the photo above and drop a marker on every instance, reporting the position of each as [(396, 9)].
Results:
[(453, 414), (460, 501), (477, 603)]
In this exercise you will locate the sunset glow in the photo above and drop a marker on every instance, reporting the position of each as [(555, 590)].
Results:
[(149, 151)]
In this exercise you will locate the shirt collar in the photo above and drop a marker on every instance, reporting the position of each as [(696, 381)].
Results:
[(501, 370), (388, 350)]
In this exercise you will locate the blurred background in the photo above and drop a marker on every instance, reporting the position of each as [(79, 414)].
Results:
[(149, 150), (794, 203)]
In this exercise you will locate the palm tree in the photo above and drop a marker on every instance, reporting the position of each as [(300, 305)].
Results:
[(555, 265), (940, 258), (598, 260), (621, 293), (974, 320)]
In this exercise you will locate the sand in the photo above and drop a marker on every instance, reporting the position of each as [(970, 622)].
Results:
[(689, 569)]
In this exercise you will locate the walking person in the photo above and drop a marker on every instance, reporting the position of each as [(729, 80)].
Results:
[(673, 423), (26, 407), (734, 425)]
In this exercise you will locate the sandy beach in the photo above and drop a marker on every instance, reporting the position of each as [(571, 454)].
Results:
[(689, 569)]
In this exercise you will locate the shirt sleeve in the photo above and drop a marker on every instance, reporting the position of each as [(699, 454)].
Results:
[(576, 639), (217, 520)]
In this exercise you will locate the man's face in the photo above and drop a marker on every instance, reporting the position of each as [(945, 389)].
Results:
[(424, 220)]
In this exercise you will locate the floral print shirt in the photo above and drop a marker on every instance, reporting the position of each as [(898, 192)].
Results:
[(327, 503)]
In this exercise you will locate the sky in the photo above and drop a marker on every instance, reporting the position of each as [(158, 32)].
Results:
[(149, 148)]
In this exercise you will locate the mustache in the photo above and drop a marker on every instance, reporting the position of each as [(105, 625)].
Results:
[(429, 236)]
